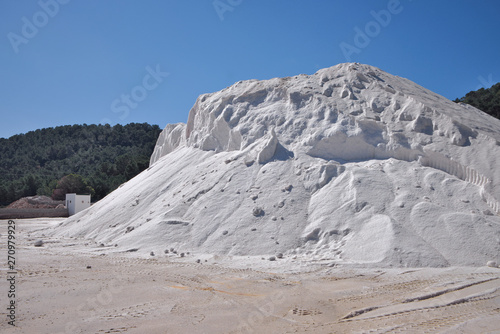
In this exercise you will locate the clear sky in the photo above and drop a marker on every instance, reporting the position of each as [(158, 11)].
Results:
[(120, 61)]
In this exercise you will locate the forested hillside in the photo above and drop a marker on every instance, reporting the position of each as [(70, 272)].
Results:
[(104, 156), (488, 100)]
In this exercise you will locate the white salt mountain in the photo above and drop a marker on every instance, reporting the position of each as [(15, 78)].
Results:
[(350, 165)]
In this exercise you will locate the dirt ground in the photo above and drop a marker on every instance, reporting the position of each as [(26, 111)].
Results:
[(77, 286)]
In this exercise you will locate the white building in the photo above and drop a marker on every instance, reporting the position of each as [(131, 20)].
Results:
[(76, 203)]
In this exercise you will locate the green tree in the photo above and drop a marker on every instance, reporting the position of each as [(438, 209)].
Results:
[(72, 183), (47, 189), (30, 185), (487, 100)]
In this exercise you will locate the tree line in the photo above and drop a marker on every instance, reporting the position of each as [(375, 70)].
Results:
[(100, 156), (485, 99)]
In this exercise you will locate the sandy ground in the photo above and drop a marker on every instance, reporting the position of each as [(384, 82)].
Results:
[(77, 286)]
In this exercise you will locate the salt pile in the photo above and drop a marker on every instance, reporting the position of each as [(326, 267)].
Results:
[(350, 165)]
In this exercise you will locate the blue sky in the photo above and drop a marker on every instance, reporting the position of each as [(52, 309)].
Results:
[(120, 61)]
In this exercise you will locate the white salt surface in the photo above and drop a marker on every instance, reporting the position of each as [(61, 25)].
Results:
[(348, 166)]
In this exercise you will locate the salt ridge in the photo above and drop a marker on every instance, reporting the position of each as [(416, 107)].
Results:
[(350, 165)]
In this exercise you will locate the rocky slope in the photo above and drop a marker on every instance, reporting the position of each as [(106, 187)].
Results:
[(36, 202)]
